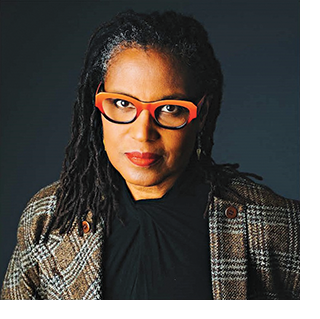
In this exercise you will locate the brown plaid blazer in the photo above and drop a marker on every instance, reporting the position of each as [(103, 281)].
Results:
[(254, 250)]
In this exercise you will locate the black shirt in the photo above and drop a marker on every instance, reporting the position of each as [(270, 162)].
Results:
[(162, 249)]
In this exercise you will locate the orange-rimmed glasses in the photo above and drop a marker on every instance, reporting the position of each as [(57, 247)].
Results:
[(123, 109)]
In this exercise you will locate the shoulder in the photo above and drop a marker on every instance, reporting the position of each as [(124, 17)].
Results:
[(43, 202), (37, 215), (235, 186), (44, 194), (260, 205), (254, 193)]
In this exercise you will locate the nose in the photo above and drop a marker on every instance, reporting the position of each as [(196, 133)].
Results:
[(144, 128)]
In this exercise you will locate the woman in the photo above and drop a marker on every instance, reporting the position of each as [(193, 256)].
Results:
[(139, 192)]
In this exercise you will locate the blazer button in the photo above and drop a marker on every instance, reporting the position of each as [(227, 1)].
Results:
[(231, 212), (85, 226)]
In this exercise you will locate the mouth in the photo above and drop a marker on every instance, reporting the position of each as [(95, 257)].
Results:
[(143, 159)]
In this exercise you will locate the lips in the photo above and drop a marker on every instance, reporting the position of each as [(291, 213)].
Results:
[(143, 159)]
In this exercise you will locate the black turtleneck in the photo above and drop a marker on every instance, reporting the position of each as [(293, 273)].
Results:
[(162, 249)]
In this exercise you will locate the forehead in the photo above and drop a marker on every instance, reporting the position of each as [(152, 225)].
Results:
[(147, 74)]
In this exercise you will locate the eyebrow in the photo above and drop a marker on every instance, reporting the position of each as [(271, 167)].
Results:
[(175, 96)]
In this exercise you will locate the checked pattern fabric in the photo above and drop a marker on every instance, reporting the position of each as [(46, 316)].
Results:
[(254, 253)]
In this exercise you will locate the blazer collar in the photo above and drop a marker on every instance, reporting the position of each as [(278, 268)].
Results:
[(77, 260)]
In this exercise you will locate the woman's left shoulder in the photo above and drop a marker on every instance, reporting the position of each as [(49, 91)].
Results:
[(258, 194)]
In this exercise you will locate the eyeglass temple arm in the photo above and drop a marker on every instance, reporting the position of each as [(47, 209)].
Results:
[(98, 88), (199, 105)]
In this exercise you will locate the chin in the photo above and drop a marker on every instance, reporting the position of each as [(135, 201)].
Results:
[(144, 179)]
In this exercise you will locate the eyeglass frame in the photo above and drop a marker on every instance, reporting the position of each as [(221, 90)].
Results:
[(194, 109)]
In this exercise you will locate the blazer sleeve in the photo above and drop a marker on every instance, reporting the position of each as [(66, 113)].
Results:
[(21, 279)]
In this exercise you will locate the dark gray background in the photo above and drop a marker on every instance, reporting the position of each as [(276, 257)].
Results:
[(41, 54)]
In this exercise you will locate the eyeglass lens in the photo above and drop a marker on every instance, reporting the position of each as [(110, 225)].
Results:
[(122, 111)]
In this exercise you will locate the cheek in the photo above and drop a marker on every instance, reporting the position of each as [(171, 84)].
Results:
[(180, 146), (111, 135)]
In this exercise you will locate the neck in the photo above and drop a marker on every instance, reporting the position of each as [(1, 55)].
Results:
[(139, 192)]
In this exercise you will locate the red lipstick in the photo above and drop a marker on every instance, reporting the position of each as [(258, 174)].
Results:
[(143, 159)]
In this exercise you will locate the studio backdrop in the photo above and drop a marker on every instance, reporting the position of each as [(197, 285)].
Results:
[(41, 53)]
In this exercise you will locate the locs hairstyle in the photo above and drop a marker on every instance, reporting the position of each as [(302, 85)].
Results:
[(88, 181)]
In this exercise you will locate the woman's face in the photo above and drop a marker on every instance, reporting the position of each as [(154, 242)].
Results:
[(150, 158)]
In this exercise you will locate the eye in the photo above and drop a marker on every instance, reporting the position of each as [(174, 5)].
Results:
[(121, 103), (171, 109)]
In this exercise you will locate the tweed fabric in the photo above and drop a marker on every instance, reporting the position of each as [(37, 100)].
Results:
[(253, 256), (257, 254)]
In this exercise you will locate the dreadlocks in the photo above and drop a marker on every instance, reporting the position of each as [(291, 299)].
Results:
[(88, 181)]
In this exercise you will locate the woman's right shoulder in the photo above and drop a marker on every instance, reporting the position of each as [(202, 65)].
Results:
[(38, 212), (45, 193), (44, 200)]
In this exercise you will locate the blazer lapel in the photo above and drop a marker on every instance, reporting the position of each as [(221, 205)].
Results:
[(75, 265), (228, 249)]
